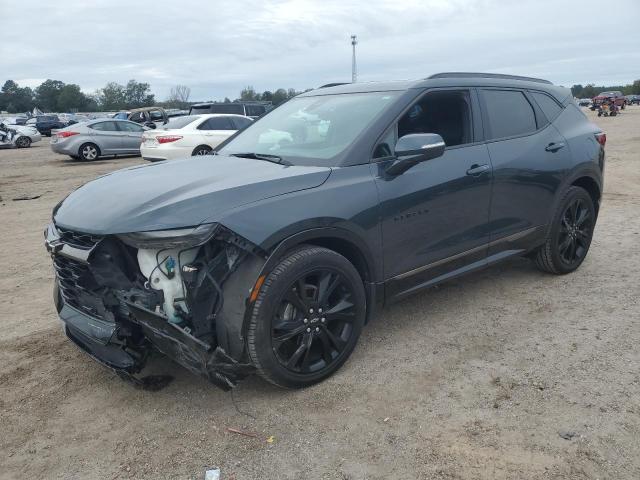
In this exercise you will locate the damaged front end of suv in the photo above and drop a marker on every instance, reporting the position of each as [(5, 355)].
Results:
[(181, 291)]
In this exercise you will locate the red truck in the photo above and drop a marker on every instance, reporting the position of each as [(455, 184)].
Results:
[(615, 96)]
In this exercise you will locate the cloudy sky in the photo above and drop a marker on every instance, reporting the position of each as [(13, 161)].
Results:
[(218, 47)]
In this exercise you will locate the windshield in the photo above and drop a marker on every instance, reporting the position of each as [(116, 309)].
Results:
[(311, 130)]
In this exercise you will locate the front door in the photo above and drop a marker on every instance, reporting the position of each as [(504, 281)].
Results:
[(435, 215)]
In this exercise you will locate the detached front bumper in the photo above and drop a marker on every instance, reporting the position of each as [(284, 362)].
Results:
[(123, 342)]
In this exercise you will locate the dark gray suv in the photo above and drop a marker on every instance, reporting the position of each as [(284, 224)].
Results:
[(270, 255)]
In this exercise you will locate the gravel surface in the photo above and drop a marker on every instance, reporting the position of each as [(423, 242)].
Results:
[(505, 374)]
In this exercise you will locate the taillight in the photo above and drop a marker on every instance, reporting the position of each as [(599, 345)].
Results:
[(168, 138), (66, 134), (601, 138)]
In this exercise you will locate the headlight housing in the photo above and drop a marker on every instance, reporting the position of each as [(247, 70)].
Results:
[(178, 238)]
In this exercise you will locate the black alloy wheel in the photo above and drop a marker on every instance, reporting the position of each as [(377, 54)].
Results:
[(569, 237), (307, 318), (312, 326), (201, 150), (575, 232)]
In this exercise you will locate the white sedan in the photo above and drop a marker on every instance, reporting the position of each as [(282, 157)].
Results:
[(23, 137), (191, 135)]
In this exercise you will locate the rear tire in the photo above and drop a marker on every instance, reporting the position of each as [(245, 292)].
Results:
[(201, 150), (569, 236), (307, 318), (88, 152)]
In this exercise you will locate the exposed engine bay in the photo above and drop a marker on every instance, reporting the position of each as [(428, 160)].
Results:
[(118, 299)]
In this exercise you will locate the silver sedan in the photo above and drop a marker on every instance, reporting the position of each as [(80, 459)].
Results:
[(90, 140)]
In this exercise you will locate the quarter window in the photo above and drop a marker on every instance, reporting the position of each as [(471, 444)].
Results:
[(548, 105), (130, 127), (509, 113)]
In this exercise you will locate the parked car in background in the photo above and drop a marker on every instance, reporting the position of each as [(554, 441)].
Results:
[(45, 123), (96, 138), (150, 117), (633, 99), (190, 135), (252, 110), (615, 96), (18, 135), (583, 102), (272, 256)]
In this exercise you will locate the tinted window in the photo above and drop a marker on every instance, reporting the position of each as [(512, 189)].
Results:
[(121, 115), (255, 110), (216, 123), (236, 109), (240, 122), (548, 105), (130, 127), (509, 113), (156, 115), (105, 126), (137, 117), (446, 113)]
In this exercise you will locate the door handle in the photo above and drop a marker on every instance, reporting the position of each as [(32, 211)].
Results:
[(554, 146), (476, 170)]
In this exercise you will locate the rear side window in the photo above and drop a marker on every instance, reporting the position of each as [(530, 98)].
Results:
[(548, 105), (105, 126), (241, 122), (509, 113), (130, 127), (216, 123)]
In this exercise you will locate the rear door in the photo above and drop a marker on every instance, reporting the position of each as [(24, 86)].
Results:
[(107, 136), (131, 136), (215, 129), (529, 157)]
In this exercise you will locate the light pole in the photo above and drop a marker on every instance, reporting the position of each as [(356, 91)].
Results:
[(354, 70)]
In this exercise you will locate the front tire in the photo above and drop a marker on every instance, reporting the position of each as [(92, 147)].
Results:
[(307, 318), (88, 152), (23, 142), (569, 237)]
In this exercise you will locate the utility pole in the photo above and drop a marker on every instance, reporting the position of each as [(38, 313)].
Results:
[(354, 70)]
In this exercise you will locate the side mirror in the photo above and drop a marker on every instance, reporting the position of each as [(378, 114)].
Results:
[(416, 148)]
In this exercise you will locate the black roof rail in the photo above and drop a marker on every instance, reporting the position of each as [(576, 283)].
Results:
[(334, 84), (487, 75)]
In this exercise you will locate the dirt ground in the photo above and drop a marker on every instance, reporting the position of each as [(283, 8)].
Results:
[(505, 374)]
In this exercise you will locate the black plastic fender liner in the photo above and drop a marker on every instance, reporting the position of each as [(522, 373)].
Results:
[(236, 291), (190, 352)]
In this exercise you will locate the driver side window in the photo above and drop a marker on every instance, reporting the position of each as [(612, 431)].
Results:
[(447, 113)]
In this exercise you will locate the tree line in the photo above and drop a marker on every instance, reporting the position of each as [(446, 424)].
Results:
[(56, 96), (590, 90)]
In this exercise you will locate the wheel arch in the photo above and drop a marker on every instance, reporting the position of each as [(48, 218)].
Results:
[(342, 241), (592, 187)]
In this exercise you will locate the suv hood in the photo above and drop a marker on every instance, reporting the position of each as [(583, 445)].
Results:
[(178, 193)]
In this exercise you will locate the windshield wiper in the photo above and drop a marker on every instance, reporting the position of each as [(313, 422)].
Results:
[(263, 156)]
